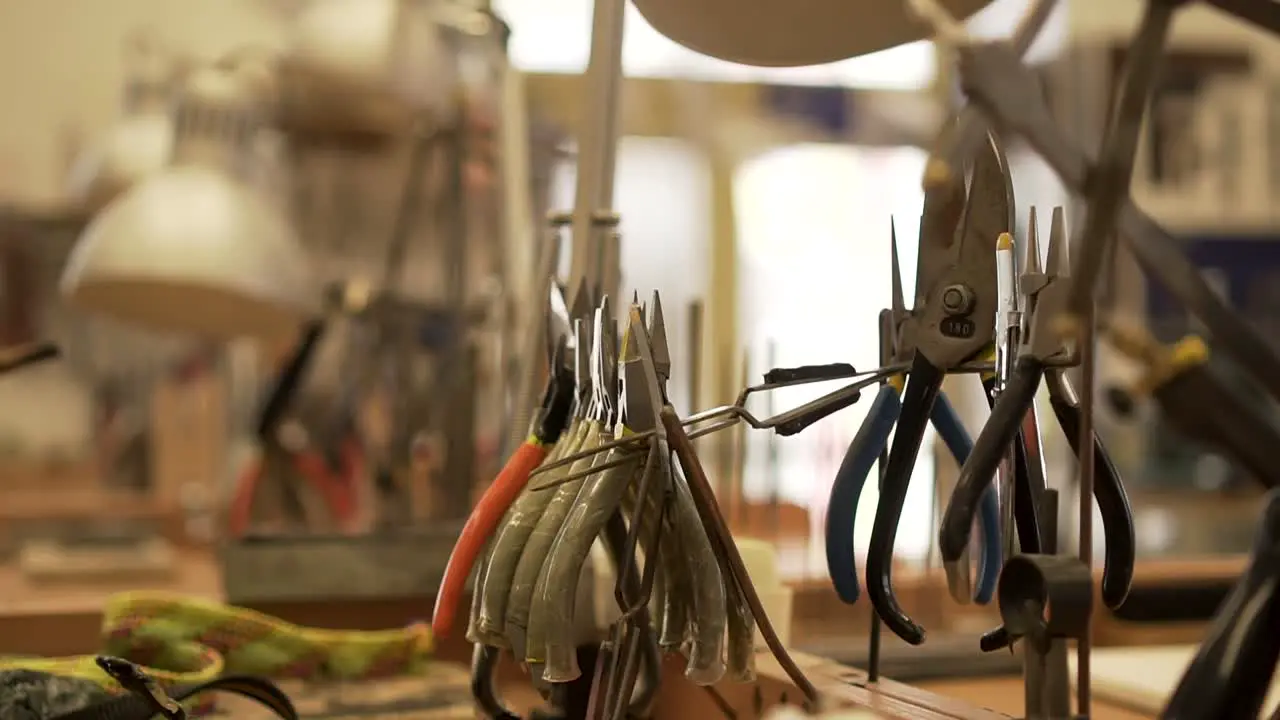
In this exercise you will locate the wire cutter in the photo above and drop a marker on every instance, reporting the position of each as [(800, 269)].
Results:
[(873, 437), (549, 424), (952, 323), (1043, 356), (330, 471)]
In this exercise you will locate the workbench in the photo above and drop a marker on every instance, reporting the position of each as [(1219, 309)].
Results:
[(64, 619)]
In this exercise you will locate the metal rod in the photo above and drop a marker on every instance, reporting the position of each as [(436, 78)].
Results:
[(1088, 373), (696, 315), (597, 137)]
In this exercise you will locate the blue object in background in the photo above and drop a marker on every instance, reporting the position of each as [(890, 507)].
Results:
[(826, 108)]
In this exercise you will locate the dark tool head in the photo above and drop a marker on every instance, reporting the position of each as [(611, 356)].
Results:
[(956, 322)]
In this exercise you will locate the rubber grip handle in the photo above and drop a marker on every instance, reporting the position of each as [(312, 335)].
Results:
[(954, 435), (480, 525), (851, 478), (977, 472), (822, 408), (830, 371), (1113, 504)]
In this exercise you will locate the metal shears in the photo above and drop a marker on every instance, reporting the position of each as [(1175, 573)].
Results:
[(873, 437), (952, 323)]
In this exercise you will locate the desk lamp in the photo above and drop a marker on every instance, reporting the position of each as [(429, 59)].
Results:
[(791, 33), (141, 142), (365, 67), (193, 248)]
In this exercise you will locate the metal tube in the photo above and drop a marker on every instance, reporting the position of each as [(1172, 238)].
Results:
[(597, 138)]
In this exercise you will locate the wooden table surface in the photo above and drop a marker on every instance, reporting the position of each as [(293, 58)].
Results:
[(1005, 695)]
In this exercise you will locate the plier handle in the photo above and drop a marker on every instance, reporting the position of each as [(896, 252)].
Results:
[(549, 423), (851, 478)]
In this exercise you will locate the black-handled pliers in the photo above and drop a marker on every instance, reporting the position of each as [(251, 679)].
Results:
[(953, 322), (869, 444), (1042, 357)]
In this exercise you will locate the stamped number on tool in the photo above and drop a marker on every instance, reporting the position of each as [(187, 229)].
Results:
[(957, 327)]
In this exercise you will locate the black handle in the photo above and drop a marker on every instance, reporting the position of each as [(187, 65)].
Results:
[(288, 380), (1231, 673), (924, 382), (830, 371), (976, 474), (1113, 503), (795, 421)]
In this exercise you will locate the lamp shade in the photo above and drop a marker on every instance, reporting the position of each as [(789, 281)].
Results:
[(191, 250), (791, 33), (364, 66)]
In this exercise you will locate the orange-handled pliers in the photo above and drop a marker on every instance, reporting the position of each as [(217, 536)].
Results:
[(336, 486), (333, 480), (550, 421)]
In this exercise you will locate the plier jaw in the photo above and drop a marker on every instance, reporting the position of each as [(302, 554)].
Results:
[(553, 412)]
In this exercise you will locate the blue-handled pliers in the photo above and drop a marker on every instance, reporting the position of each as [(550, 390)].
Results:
[(869, 444)]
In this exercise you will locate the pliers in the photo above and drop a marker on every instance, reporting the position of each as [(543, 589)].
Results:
[(330, 471), (548, 425), (1044, 355), (873, 437), (952, 323)]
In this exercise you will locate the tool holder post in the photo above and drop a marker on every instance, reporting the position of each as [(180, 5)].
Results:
[(1046, 600)]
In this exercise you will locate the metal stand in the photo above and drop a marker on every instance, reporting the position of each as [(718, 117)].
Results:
[(1029, 586)]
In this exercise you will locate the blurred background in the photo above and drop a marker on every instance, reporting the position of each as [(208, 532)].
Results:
[(757, 201)]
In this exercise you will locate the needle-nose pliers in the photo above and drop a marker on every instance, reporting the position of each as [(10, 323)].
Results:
[(1043, 356), (873, 437), (549, 424)]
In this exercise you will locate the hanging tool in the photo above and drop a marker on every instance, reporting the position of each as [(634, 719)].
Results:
[(1043, 356), (527, 637), (873, 437), (1000, 86), (727, 555), (953, 322), (1027, 478), (331, 475), (494, 585), (602, 495), (1231, 674), (548, 426)]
